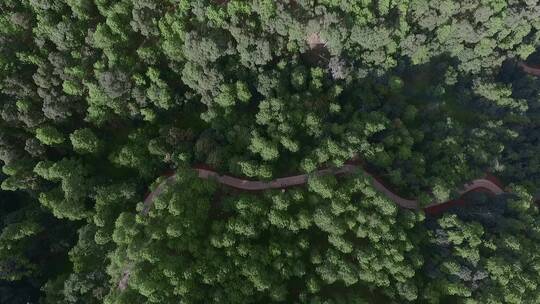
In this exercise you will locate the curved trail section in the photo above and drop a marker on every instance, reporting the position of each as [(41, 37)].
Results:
[(481, 185), (529, 69), (297, 180)]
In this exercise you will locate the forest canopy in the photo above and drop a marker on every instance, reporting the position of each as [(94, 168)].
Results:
[(107, 107)]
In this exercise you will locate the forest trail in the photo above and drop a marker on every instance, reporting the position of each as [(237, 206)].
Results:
[(529, 69), (482, 184)]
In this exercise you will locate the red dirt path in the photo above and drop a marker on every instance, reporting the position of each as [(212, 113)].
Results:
[(529, 69)]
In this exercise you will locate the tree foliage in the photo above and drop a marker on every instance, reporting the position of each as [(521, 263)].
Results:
[(98, 98)]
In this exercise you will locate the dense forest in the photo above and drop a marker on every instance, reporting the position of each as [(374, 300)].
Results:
[(102, 101)]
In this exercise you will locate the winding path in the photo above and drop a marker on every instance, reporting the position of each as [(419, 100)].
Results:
[(482, 184), (488, 185), (529, 69)]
